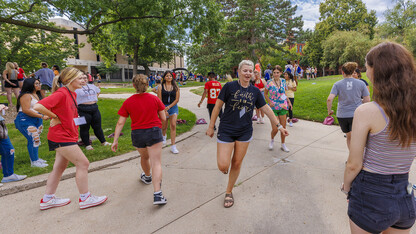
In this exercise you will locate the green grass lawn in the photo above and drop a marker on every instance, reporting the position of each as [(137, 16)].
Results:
[(310, 97), (108, 109)]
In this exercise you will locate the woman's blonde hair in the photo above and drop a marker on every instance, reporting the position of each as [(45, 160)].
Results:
[(245, 62), (140, 83), (67, 75), (10, 68)]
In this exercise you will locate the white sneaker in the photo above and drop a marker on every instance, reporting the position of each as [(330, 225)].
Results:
[(92, 201), (258, 120), (284, 148), (262, 120), (54, 202), (164, 140), (174, 150), (271, 145), (290, 124), (13, 178), (89, 147), (42, 160), (105, 143), (38, 163)]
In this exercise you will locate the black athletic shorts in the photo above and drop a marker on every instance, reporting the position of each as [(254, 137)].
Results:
[(7, 85), (54, 145), (345, 124)]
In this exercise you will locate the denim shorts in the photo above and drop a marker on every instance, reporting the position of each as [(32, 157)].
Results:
[(377, 202), (228, 137), (173, 111), (142, 138), (54, 145)]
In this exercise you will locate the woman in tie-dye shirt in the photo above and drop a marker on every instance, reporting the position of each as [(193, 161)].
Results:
[(278, 101)]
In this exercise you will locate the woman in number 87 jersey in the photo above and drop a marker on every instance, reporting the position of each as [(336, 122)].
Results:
[(212, 88)]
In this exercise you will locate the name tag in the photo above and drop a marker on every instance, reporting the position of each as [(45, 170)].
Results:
[(80, 120)]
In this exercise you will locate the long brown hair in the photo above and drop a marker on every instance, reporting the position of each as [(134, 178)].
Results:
[(394, 88)]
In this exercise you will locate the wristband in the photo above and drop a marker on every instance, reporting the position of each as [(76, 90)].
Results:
[(279, 126)]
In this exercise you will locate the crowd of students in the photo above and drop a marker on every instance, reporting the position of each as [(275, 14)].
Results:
[(381, 135)]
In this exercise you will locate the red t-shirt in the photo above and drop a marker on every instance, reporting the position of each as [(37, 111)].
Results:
[(259, 85), (61, 104), (143, 110), (20, 74), (214, 88)]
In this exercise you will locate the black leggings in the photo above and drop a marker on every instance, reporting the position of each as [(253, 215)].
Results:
[(210, 108), (93, 117), (292, 100)]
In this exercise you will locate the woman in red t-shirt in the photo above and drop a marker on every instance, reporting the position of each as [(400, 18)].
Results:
[(147, 113), (61, 107), (259, 83), (21, 76)]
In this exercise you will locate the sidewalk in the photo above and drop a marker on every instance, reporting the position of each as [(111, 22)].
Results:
[(277, 192)]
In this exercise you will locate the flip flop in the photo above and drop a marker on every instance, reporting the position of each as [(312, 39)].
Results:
[(228, 199)]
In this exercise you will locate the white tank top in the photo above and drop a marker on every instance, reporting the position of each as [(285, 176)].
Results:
[(32, 103)]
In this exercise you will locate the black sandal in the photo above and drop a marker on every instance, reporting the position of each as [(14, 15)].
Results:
[(228, 199)]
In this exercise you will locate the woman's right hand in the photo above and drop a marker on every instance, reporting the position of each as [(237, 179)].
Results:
[(210, 132), (54, 122), (114, 146), (271, 104)]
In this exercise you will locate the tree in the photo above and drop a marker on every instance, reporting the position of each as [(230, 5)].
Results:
[(339, 15), (29, 47), (345, 46), (251, 29)]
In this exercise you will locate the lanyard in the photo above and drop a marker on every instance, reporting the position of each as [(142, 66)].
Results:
[(70, 94)]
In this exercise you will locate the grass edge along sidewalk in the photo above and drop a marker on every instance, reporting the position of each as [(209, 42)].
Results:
[(310, 97), (108, 109)]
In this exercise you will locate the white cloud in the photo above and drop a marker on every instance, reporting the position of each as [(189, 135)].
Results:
[(309, 9)]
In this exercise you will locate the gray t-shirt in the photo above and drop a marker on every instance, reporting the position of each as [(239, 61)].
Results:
[(87, 93), (45, 76), (349, 92)]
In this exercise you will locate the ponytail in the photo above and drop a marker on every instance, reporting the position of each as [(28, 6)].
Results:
[(56, 84)]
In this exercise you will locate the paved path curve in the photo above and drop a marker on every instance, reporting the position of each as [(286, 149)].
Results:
[(277, 192)]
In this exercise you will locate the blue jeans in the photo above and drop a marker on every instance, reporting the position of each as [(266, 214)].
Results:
[(31, 128), (7, 156)]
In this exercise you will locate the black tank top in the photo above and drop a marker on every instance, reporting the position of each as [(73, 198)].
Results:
[(168, 97)]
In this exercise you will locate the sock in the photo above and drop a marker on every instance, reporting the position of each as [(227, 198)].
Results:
[(158, 193), (164, 138), (283, 145), (48, 197), (84, 196)]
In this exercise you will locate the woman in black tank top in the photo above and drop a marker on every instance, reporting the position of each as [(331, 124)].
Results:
[(169, 94)]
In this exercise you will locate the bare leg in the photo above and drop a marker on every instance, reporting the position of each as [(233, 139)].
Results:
[(224, 151), (173, 119), (155, 155), (165, 126), (54, 177), (282, 120), (348, 139), (16, 92), (274, 130), (144, 160), (396, 231), (240, 150), (75, 155), (9, 95)]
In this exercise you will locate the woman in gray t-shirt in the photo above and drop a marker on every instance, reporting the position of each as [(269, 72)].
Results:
[(87, 98)]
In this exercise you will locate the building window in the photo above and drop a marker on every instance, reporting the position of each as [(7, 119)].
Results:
[(76, 42), (98, 58)]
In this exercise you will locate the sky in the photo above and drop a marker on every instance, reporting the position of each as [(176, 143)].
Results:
[(309, 9)]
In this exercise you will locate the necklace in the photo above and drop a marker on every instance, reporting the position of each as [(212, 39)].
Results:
[(280, 83)]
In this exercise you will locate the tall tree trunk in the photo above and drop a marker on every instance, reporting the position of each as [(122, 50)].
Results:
[(135, 59)]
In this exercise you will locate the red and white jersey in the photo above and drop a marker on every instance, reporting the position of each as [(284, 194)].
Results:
[(213, 87)]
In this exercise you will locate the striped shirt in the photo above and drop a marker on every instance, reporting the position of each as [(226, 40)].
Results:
[(384, 156)]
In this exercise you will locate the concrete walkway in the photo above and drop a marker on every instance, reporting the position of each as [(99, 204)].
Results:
[(277, 192)]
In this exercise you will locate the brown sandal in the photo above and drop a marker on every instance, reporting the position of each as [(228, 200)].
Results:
[(229, 199)]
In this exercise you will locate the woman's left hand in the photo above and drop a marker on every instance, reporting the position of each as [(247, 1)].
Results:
[(54, 122)]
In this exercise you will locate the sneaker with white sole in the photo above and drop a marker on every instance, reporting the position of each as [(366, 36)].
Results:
[(159, 199), (146, 179), (54, 202), (105, 143), (42, 160), (262, 120), (164, 140), (89, 147), (290, 124), (38, 163), (284, 148), (174, 150), (13, 178), (271, 145), (92, 201)]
